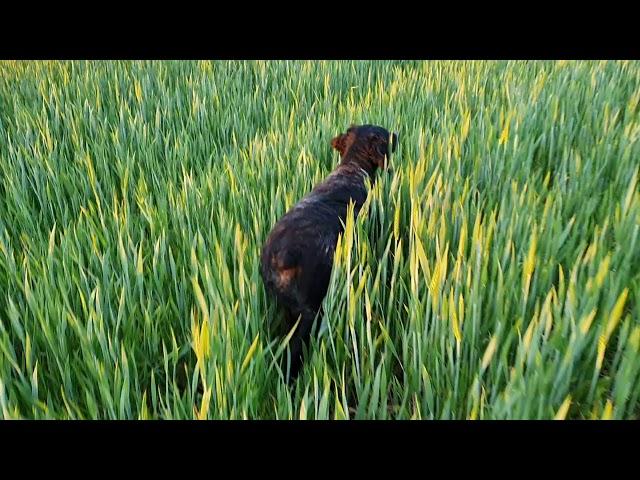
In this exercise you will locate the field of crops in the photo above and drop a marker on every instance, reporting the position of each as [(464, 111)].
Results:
[(494, 274)]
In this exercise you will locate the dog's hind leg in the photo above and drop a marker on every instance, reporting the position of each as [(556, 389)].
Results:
[(299, 339)]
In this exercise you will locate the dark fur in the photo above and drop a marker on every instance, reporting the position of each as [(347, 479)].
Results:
[(297, 257)]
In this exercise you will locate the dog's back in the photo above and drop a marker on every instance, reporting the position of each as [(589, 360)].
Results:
[(297, 257)]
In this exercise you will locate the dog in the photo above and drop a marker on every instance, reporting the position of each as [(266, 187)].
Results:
[(297, 256)]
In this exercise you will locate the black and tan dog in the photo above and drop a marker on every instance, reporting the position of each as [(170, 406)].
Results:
[(297, 257)]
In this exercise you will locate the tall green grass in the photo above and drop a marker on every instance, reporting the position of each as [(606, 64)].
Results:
[(494, 274)]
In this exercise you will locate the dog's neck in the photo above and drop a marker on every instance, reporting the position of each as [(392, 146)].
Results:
[(364, 163)]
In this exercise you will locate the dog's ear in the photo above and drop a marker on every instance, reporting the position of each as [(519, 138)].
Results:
[(340, 143)]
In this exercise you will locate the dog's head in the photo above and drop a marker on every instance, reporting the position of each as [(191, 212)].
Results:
[(366, 144)]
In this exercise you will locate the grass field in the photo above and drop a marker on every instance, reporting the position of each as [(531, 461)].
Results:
[(494, 274)]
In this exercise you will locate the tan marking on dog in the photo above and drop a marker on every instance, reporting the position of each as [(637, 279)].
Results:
[(286, 276)]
